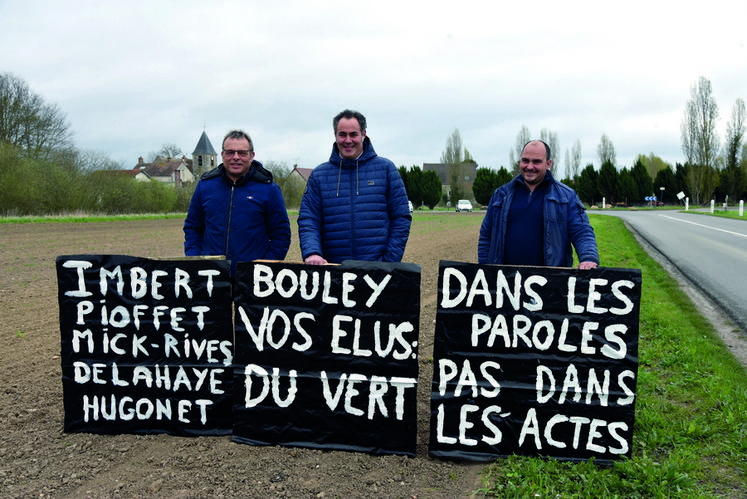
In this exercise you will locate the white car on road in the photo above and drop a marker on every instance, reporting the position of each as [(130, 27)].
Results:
[(463, 205)]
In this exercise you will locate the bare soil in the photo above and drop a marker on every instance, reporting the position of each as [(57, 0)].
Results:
[(38, 459)]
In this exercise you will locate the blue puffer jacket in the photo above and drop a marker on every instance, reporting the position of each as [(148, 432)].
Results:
[(243, 221), (566, 223), (355, 209)]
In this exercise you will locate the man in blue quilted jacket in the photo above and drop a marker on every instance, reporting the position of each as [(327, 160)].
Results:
[(237, 210), (534, 219), (355, 205)]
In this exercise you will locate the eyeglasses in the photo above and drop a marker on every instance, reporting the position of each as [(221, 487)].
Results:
[(241, 152)]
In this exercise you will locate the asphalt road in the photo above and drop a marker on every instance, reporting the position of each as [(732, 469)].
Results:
[(710, 251)]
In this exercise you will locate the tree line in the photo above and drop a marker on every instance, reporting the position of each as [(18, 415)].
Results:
[(617, 187), (711, 171), (42, 173), (62, 183)]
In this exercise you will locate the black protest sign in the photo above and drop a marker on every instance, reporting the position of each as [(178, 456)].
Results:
[(534, 361), (326, 356), (147, 345)]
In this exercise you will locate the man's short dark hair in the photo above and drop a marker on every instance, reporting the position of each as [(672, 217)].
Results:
[(239, 134), (547, 148), (349, 114)]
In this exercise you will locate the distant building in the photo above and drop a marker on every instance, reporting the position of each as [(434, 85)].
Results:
[(177, 171), (167, 170), (463, 174), (302, 173), (204, 157)]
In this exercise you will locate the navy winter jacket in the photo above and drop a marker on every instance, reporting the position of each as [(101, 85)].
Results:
[(565, 223), (355, 209), (243, 221)]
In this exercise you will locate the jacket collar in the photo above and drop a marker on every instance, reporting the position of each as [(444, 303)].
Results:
[(549, 179), (256, 173)]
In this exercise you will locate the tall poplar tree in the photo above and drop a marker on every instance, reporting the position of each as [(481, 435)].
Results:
[(700, 141), (733, 176), (606, 150)]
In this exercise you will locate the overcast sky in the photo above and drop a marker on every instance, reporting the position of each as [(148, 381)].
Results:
[(132, 76)]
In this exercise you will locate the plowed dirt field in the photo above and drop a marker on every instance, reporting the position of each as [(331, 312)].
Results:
[(38, 459)]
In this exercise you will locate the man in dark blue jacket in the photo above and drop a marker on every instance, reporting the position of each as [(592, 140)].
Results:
[(534, 219), (355, 205), (237, 210)]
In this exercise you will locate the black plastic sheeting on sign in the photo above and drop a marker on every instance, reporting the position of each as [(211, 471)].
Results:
[(326, 356), (147, 345), (534, 361)]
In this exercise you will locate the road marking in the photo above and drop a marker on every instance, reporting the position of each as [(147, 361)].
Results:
[(706, 226)]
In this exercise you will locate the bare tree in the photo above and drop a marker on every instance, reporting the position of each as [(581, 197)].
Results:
[(575, 163), (514, 155), (452, 155), (733, 175), (170, 151), (700, 140), (735, 133), (90, 160), (551, 139), (27, 122), (606, 150), (166, 152), (573, 160)]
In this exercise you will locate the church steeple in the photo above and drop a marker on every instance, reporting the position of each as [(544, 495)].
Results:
[(204, 157)]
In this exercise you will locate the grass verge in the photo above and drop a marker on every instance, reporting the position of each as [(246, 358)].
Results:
[(720, 213), (690, 436), (64, 219)]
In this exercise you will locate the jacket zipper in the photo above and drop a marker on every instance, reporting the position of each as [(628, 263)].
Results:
[(228, 226), (353, 200)]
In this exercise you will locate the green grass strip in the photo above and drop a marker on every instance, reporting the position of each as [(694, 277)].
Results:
[(65, 219), (690, 436)]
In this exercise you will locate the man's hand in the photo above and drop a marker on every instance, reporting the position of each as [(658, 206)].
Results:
[(315, 260), (587, 265)]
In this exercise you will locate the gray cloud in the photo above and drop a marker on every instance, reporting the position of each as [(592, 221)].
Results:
[(133, 77)]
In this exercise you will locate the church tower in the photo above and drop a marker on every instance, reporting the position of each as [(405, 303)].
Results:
[(204, 157)]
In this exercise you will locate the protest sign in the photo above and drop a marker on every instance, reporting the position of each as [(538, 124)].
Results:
[(326, 356), (534, 361), (147, 345)]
